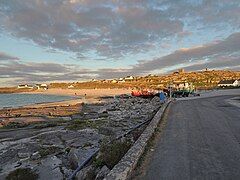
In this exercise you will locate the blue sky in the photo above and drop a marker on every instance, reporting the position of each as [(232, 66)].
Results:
[(76, 40)]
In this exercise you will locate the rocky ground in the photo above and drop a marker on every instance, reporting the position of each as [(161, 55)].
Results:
[(56, 147), (43, 112)]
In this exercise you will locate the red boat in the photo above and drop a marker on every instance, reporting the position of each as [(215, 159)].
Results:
[(143, 93)]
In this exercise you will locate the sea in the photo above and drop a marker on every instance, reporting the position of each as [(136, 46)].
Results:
[(18, 100)]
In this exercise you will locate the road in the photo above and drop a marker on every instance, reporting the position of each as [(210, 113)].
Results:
[(200, 141)]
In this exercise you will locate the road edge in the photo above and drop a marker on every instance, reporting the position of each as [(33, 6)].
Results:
[(126, 165)]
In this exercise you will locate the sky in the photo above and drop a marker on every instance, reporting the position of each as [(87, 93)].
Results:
[(78, 40)]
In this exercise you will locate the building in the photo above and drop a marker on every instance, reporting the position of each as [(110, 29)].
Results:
[(114, 81), (71, 86), (150, 75), (42, 86), (183, 86), (94, 80), (24, 86), (129, 78), (229, 83), (181, 71), (121, 81)]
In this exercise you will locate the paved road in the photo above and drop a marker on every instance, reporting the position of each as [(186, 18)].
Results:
[(200, 141)]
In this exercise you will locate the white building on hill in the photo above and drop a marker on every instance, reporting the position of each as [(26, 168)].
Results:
[(24, 86), (229, 83), (42, 86)]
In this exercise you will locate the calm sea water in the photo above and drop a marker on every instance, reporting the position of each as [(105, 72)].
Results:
[(16, 100)]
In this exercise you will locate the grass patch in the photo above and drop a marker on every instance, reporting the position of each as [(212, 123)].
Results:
[(22, 174), (111, 154), (88, 144), (98, 162), (83, 124), (13, 125), (47, 124), (45, 151), (103, 114)]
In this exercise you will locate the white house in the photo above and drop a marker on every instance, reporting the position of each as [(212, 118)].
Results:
[(114, 81), (94, 80), (121, 81), (129, 78), (70, 86), (22, 86), (228, 83), (42, 86), (183, 86)]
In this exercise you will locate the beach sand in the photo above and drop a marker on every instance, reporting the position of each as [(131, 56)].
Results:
[(82, 95), (92, 93), (63, 108)]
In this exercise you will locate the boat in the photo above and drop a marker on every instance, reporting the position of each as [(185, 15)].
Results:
[(143, 93)]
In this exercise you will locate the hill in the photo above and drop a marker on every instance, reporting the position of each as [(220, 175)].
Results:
[(200, 80)]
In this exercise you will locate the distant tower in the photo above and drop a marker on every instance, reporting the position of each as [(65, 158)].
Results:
[(181, 71)]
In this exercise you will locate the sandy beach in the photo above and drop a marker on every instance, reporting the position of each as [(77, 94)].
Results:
[(82, 95), (90, 93), (63, 108)]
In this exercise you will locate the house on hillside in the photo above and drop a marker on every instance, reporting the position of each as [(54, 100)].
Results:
[(114, 81), (71, 86), (24, 86), (183, 86), (129, 78), (42, 86), (105, 81), (229, 83), (180, 71), (94, 80), (121, 81)]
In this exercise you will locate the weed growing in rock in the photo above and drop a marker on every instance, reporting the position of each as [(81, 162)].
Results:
[(13, 125), (22, 174), (48, 150), (111, 154), (82, 124)]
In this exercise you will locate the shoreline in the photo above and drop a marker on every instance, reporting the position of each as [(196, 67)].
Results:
[(41, 111), (60, 108), (81, 92), (88, 96)]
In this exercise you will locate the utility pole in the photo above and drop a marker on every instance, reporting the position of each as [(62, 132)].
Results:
[(170, 89)]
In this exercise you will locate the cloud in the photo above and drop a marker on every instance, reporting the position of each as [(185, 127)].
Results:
[(183, 34), (4, 56), (121, 27), (218, 54), (28, 72), (206, 12), (208, 51), (81, 26), (220, 62), (110, 30)]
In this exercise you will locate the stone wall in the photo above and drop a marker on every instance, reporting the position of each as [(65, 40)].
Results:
[(129, 161)]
